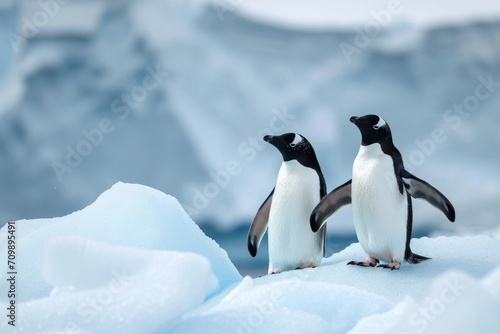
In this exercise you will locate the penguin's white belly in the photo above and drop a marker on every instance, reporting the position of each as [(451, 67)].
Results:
[(292, 243), (380, 211)]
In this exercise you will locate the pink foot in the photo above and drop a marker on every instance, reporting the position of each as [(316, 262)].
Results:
[(394, 265), (370, 262)]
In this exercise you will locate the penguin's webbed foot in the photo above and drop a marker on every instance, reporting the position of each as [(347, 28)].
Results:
[(393, 265), (370, 262)]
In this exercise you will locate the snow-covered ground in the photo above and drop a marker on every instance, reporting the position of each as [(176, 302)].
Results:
[(134, 262), (177, 95)]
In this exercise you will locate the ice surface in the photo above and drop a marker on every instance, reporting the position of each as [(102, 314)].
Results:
[(126, 215), (289, 306), (476, 256), (336, 298), (134, 262), (456, 303), (99, 288)]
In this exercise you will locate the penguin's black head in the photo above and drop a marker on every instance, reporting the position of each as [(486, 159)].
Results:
[(292, 146), (373, 129)]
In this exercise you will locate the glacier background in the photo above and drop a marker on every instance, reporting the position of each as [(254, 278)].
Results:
[(228, 72)]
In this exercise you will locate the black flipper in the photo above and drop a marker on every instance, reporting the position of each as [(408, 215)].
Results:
[(418, 188), (411, 257), (259, 225), (336, 199)]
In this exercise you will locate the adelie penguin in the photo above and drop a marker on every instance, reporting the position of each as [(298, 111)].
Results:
[(285, 213), (380, 192)]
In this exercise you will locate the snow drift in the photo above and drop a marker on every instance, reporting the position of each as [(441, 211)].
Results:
[(99, 288), (126, 215), (133, 262)]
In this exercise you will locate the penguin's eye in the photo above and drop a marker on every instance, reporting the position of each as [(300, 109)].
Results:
[(297, 140), (380, 124)]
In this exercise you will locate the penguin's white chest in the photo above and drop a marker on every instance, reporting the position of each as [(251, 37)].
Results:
[(380, 211), (292, 243)]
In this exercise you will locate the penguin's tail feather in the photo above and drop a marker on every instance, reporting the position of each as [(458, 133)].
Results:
[(415, 258)]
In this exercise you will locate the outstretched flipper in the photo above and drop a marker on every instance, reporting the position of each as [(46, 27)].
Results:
[(418, 188), (259, 225), (336, 199)]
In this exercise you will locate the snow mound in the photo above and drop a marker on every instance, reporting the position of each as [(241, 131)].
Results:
[(99, 288), (457, 303), (134, 262), (127, 215), (336, 298), (287, 306)]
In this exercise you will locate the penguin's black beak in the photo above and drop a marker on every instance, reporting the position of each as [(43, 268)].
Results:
[(276, 141), (354, 119)]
